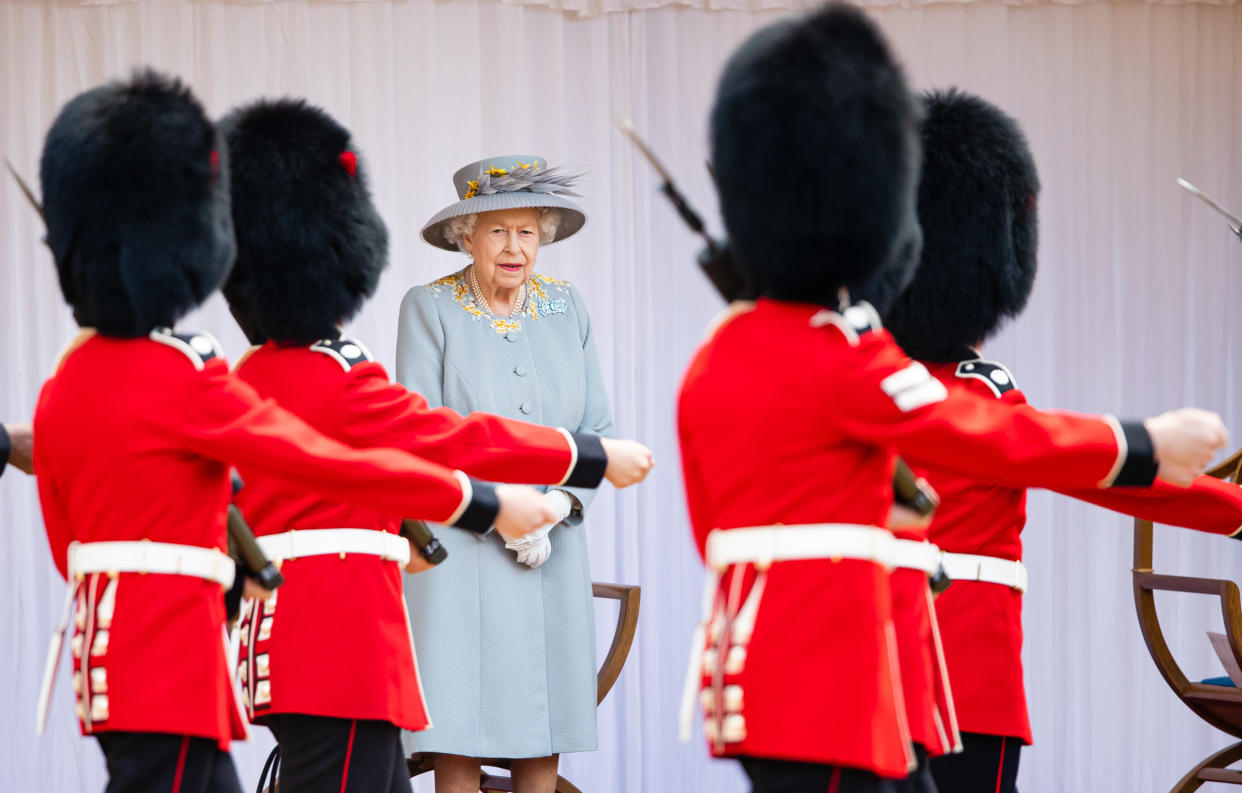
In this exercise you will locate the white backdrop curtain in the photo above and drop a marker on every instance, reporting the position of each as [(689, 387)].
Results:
[(585, 8), (1134, 309)]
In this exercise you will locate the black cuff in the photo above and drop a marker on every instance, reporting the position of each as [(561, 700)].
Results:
[(6, 448), (1139, 467), (233, 596), (482, 510), (592, 461)]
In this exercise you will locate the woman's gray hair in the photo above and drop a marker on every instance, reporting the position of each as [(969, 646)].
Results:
[(463, 226)]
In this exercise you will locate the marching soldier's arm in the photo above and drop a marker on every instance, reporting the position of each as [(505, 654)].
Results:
[(481, 444), (55, 522), (696, 493), (879, 395), (1209, 504), (226, 420)]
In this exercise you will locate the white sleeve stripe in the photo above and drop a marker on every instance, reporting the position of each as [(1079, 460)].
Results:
[(467, 495), (913, 375), (1123, 450), (573, 455), (926, 394), (913, 388)]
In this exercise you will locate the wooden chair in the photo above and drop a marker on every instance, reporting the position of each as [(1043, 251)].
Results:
[(610, 669), (1220, 706)]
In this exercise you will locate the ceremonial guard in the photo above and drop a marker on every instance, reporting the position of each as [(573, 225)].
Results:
[(138, 426), (815, 151), (311, 248), (978, 210)]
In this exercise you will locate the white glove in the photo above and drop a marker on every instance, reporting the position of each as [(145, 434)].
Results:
[(560, 501), (535, 548)]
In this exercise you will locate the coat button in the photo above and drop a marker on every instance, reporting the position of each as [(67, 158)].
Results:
[(520, 371), (524, 407), (512, 335)]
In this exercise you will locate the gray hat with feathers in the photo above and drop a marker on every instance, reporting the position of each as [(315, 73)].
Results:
[(509, 182)]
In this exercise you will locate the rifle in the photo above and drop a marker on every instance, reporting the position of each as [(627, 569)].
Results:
[(244, 548)]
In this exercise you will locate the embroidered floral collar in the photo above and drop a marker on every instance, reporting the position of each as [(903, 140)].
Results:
[(544, 297)]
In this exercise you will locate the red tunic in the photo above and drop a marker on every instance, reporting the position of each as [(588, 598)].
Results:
[(338, 644), (788, 415), (981, 623), (924, 674), (135, 441)]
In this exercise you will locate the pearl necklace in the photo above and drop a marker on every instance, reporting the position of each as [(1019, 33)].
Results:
[(518, 299)]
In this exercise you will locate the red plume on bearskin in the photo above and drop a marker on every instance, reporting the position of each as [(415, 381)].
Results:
[(310, 243)]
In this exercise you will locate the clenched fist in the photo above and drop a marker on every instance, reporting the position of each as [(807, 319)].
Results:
[(1185, 441), (629, 462), (522, 510)]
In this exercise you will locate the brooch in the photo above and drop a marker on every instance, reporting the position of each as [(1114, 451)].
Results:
[(546, 307)]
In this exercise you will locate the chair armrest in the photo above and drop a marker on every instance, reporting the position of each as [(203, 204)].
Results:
[(623, 635)]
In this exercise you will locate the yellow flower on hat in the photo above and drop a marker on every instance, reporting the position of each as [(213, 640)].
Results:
[(472, 188), (494, 171)]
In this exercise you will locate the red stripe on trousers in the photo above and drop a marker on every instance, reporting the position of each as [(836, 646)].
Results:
[(185, 745), (349, 750), (1000, 767), (836, 780)]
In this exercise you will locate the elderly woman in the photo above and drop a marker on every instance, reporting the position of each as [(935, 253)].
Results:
[(505, 630)]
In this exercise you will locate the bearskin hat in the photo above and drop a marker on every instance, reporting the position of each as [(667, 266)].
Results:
[(814, 142), (310, 244), (135, 195), (977, 206)]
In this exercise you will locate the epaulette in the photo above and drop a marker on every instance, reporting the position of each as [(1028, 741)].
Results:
[(854, 321), (198, 347), (998, 378), (347, 352)]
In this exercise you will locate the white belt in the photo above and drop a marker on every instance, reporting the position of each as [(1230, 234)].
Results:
[(989, 569), (126, 557), (151, 557), (763, 545), (336, 542), (918, 555)]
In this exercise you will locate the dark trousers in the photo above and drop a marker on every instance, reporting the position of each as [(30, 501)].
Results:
[(987, 764), (920, 779), (319, 754), (148, 762), (787, 776)]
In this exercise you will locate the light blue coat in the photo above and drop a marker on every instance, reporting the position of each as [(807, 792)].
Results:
[(506, 653)]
